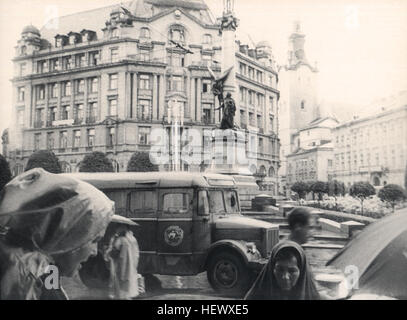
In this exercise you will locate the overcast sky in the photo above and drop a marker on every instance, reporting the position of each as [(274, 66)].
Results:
[(360, 45)]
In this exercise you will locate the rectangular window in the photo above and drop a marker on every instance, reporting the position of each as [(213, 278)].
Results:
[(21, 93), (114, 55), (113, 81), (94, 85), (42, 66), (80, 60), (144, 135), (111, 137), (54, 64), (80, 86), (207, 113), (142, 202), (176, 59), (53, 114), (144, 110), (176, 203), (41, 92), (65, 112), (175, 83), (50, 140), (76, 138), (144, 82), (206, 86), (67, 88), (113, 107), (54, 90), (93, 58), (67, 62), (92, 110), (63, 139), (37, 141), (91, 137), (78, 113)]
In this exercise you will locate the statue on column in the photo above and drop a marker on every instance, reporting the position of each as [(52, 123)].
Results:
[(227, 104)]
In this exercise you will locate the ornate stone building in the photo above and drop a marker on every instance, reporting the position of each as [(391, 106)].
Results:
[(373, 148), (104, 79)]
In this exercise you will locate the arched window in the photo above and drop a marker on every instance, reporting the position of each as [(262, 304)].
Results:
[(177, 33), (262, 171), (116, 166), (23, 50), (145, 33), (376, 181), (272, 171), (115, 33)]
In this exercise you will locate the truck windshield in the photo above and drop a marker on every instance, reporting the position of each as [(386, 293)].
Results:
[(223, 201)]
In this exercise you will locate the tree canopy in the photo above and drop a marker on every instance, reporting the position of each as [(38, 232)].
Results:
[(5, 173), (392, 193), (96, 162), (140, 162), (45, 159), (362, 190), (301, 188), (336, 188)]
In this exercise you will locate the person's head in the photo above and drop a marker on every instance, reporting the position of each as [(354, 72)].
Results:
[(286, 269), (228, 95), (55, 214), (299, 223)]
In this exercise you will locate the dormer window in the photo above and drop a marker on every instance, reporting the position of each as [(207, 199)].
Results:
[(115, 33), (23, 50), (61, 40), (207, 39), (145, 33)]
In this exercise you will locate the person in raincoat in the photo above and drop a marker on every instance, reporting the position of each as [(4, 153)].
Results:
[(123, 257), (286, 276), (48, 222)]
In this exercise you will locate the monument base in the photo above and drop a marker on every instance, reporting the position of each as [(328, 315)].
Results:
[(229, 158)]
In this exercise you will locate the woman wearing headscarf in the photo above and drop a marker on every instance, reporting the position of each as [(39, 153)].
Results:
[(286, 276), (47, 220)]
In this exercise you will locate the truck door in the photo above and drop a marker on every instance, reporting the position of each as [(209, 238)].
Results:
[(142, 206), (201, 228), (174, 231)]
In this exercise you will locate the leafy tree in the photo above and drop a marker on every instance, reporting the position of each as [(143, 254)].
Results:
[(140, 162), (336, 189), (300, 187), (405, 177), (96, 162), (319, 187), (5, 174), (392, 193), (362, 190), (44, 159)]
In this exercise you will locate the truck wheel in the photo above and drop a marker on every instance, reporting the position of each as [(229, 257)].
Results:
[(227, 274), (94, 273)]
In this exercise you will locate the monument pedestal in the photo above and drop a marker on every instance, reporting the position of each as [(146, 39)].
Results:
[(229, 157)]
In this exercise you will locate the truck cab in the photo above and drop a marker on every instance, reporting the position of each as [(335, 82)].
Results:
[(189, 223)]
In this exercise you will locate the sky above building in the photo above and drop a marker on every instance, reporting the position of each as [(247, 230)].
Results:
[(360, 46)]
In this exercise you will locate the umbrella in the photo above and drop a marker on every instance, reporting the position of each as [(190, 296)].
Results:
[(380, 255), (122, 220)]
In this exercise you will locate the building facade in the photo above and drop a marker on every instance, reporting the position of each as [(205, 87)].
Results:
[(313, 157), (104, 79), (372, 149)]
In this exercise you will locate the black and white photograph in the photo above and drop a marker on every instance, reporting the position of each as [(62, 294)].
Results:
[(212, 150)]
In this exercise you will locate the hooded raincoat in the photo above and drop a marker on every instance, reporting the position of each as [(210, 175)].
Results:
[(265, 287)]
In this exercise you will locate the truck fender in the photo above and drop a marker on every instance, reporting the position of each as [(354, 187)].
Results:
[(235, 245)]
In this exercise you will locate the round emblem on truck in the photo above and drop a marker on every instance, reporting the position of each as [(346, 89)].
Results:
[(173, 235)]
